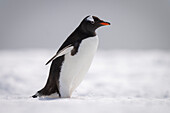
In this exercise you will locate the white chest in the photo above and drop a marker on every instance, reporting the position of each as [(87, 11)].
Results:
[(75, 67)]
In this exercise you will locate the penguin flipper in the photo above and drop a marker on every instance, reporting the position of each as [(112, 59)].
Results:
[(65, 50)]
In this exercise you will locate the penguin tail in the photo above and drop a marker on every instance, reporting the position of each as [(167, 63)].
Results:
[(36, 95)]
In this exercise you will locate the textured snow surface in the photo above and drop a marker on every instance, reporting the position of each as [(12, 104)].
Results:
[(119, 81)]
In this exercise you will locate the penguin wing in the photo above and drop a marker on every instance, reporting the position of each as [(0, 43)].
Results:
[(63, 51)]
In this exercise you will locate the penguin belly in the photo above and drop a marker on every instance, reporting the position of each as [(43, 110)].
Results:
[(75, 67)]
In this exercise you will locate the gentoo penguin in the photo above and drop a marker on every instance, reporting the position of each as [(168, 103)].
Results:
[(72, 60)]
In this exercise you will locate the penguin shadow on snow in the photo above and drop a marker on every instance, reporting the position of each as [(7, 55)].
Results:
[(49, 99), (58, 98)]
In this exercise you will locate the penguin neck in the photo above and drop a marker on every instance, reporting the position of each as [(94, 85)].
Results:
[(85, 33)]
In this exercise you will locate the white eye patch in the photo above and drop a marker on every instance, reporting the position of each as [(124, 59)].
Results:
[(90, 18)]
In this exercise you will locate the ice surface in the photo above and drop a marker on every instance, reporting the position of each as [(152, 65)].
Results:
[(119, 81)]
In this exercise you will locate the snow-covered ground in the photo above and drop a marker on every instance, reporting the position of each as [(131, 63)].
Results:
[(119, 81)]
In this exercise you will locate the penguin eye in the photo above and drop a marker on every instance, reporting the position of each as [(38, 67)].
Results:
[(92, 22)]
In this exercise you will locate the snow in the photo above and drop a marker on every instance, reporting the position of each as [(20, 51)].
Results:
[(119, 81)]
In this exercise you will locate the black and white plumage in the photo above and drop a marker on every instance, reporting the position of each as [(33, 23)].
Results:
[(72, 60)]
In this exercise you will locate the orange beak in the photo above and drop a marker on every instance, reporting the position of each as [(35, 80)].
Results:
[(105, 23)]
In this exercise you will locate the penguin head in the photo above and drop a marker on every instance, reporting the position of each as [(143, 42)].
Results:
[(91, 23)]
